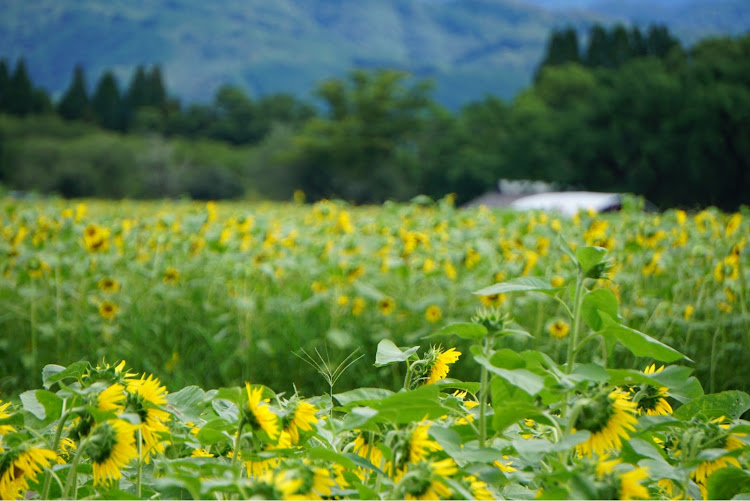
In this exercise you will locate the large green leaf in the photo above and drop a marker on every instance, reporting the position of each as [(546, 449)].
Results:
[(407, 406), (595, 301), (389, 353), (463, 454), (512, 405), (731, 404), (51, 374), (519, 284), (188, 403), (532, 450), (361, 395), (642, 345), (526, 380), (588, 256), (465, 330), (42, 404), (728, 483)]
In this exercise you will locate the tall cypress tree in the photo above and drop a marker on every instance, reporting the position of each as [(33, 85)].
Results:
[(135, 97), (659, 41), (620, 47), (157, 94), (106, 103), (20, 92), (4, 85), (74, 104), (598, 51)]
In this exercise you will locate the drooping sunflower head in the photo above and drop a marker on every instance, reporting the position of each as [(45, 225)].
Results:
[(420, 443), (19, 466), (425, 480), (107, 373), (112, 447), (609, 416), (5, 428), (258, 413), (300, 416), (705, 434), (616, 480)]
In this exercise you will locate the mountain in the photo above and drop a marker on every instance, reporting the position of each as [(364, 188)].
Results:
[(470, 47)]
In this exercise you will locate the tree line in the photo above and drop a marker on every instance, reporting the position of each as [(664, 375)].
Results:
[(616, 109)]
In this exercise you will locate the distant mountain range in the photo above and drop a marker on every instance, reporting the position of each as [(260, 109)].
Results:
[(470, 47)]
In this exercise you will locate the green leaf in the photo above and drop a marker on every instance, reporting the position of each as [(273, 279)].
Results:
[(51, 374), (731, 404), (358, 417), (726, 483), (389, 353), (463, 454), (515, 405), (563, 245), (42, 404), (215, 431), (642, 345), (330, 456), (407, 406), (465, 330), (595, 301), (188, 403), (361, 395), (527, 381), (588, 257), (533, 449), (519, 284)]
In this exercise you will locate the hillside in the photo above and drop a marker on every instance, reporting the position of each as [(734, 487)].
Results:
[(470, 47)]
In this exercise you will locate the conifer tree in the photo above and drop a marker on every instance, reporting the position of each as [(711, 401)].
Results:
[(4, 85), (74, 104), (598, 51), (157, 95), (20, 98), (106, 103), (562, 48)]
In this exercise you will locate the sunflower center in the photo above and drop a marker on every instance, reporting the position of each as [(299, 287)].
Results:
[(595, 416), (105, 441)]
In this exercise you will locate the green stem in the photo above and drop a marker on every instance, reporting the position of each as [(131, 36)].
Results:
[(140, 464), (576, 323), (55, 444), (483, 387), (235, 456), (712, 372), (70, 482), (34, 340)]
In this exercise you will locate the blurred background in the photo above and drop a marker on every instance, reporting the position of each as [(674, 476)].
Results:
[(375, 100)]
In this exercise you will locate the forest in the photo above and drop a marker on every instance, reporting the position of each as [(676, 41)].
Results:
[(614, 109)]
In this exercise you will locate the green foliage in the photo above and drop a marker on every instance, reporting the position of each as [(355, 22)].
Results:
[(74, 104)]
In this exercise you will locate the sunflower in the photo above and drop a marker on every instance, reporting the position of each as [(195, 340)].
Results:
[(438, 363), (651, 400), (146, 397), (112, 448), (619, 483), (610, 417), (358, 306), (492, 300), (257, 465), (369, 451), (19, 466), (558, 329), (505, 466), (95, 238), (316, 481), (715, 433), (108, 310), (5, 428), (420, 444), (302, 418), (112, 398), (276, 485), (108, 285), (259, 415), (433, 313), (424, 480), (386, 305), (479, 489), (171, 275)]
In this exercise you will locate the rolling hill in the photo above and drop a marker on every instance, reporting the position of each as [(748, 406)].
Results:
[(470, 47)]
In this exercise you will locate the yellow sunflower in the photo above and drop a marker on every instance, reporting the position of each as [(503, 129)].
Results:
[(112, 398), (651, 400), (171, 275), (19, 466), (439, 361), (146, 397), (257, 465), (420, 444), (112, 448), (623, 484), (108, 310), (424, 480), (386, 305), (558, 329), (362, 448), (715, 432), (433, 313), (610, 418), (95, 238), (301, 418), (5, 428), (258, 414), (108, 285)]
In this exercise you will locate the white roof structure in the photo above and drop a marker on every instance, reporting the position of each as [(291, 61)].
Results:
[(569, 202)]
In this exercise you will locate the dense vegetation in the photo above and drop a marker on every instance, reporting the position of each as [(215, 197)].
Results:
[(451, 354), (631, 112)]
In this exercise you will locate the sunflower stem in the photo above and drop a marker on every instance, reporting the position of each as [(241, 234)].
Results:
[(235, 456), (483, 387), (71, 481), (55, 444), (140, 464), (576, 322)]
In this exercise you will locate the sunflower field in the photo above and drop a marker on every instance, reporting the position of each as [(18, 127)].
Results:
[(185, 350)]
